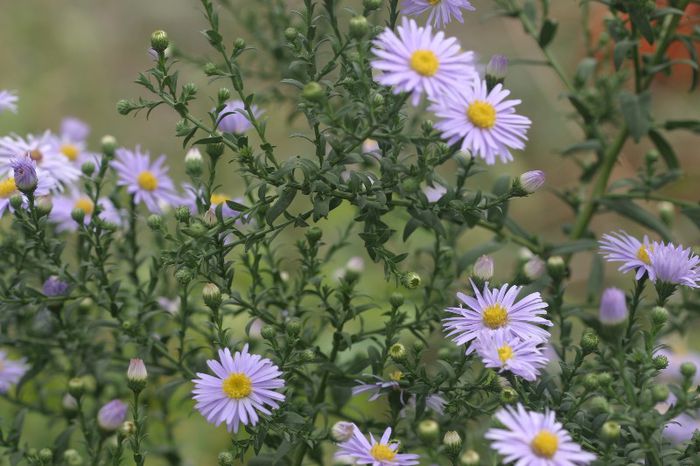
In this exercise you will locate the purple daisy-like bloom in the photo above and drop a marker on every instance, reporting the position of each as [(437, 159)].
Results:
[(234, 118), (499, 350), (8, 101), (441, 11), (71, 142), (495, 309), (535, 439), (419, 62), (111, 416), (674, 265), (147, 181), (681, 428), (11, 371), (484, 121), (244, 384), (382, 452), (54, 286), (375, 389), (634, 254), (74, 129), (63, 206)]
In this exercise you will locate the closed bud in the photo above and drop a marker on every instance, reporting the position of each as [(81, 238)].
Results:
[(159, 41), (16, 201), (182, 214), (452, 442), (659, 316), (509, 395), (293, 327), (88, 168), (604, 379), (224, 94), (377, 100), (483, 268), (225, 459), (108, 145), (613, 307), (410, 185), (211, 294), (342, 431), (24, 172), (124, 107), (308, 355), (396, 300), (660, 393), (72, 457), (45, 455), (496, 70), (290, 34), (127, 429), (667, 212), (78, 215), (556, 267), (268, 332), (193, 162), (688, 370), (184, 276), (358, 27), (651, 157), (136, 374), (411, 280), (660, 362), (397, 352), (76, 387), (189, 89), (69, 404), (428, 431), (313, 234), (534, 268), (313, 92), (215, 150), (590, 382), (599, 405), (154, 222), (418, 346), (239, 43), (589, 342), (211, 69), (44, 205), (469, 458), (610, 431), (371, 4), (528, 182)]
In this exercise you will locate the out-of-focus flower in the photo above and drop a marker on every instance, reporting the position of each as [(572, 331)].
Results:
[(382, 452), (171, 306), (111, 416), (54, 286), (65, 204), (534, 268), (375, 389), (481, 121), (71, 142), (419, 62), (342, 431), (441, 11), (483, 268), (11, 371), (8, 101), (244, 384), (234, 118)]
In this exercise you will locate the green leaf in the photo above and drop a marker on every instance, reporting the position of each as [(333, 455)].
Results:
[(283, 201), (665, 149), (635, 110), (690, 125), (575, 246), (632, 211), (547, 33), (622, 50)]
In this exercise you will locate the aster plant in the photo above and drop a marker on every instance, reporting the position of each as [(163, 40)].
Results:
[(368, 293)]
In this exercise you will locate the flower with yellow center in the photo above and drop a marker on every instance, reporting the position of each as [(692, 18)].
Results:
[(71, 151), (434, 2), (505, 353), (643, 255), (425, 63), (481, 114), (495, 316), (217, 199), (382, 452), (147, 180), (85, 204), (545, 444), (237, 385), (7, 187)]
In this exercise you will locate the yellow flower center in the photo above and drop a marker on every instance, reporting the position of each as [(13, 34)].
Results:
[(434, 2), (36, 155), (481, 114), (396, 376), (71, 151), (84, 204), (237, 385), (147, 180), (7, 187), (425, 62), (545, 444), (382, 452), (505, 352), (495, 316), (643, 255), (217, 199)]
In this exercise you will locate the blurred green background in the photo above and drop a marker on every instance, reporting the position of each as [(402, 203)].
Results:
[(78, 57)]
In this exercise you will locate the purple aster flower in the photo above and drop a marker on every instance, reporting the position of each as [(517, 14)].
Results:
[(11, 371), (54, 286), (24, 174), (8, 188), (419, 62), (111, 416), (382, 452), (74, 129), (531, 438), (499, 350), (234, 118), (441, 11), (375, 389), (71, 142), (484, 122), (613, 307), (673, 265), (634, 254), (147, 181), (50, 163), (434, 193), (681, 428), (8, 101), (242, 386), (495, 309), (63, 206)]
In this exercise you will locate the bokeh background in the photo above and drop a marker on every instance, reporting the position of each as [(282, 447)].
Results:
[(78, 57)]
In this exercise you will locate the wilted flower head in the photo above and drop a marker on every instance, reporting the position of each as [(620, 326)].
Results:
[(8, 101), (483, 268), (382, 452), (54, 286), (613, 307), (11, 371), (111, 415), (234, 118), (441, 11)]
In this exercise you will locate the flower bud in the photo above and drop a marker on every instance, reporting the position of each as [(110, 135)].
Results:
[(308, 355), (211, 69), (377, 101), (159, 41), (268, 332), (590, 382), (313, 92), (659, 316), (111, 416), (613, 307), (342, 431), (529, 182), (509, 395), (396, 300), (604, 379), (154, 222), (189, 89), (223, 95), (225, 459), (239, 43), (651, 157), (428, 431), (293, 327), (483, 268), (371, 4), (215, 150), (290, 34), (313, 234), (589, 342), (184, 276), (358, 27), (660, 362), (496, 70), (124, 107), (534, 268), (688, 370), (469, 458), (136, 374), (54, 287), (397, 352), (411, 280), (72, 457), (667, 212), (24, 171), (211, 294), (108, 144), (76, 387), (660, 393), (410, 185), (610, 431), (452, 442), (127, 429), (78, 215), (182, 214), (599, 405), (556, 267), (69, 404), (193, 162), (45, 455), (16, 201)]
